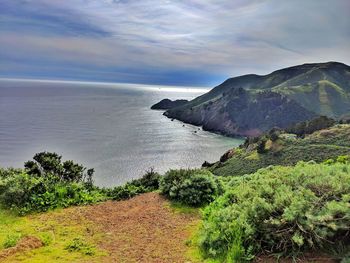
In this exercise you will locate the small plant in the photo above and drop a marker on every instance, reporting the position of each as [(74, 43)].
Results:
[(78, 245), (11, 240), (46, 238)]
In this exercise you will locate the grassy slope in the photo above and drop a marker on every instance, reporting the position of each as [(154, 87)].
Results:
[(303, 83), (319, 146), (146, 228), (56, 228)]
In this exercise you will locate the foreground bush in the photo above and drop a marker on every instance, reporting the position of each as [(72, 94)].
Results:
[(191, 187), (26, 193), (284, 210), (48, 183)]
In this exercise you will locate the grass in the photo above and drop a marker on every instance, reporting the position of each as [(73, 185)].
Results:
[(55, 235), (178, 207)]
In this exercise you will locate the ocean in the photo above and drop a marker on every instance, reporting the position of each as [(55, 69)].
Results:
[(108, 127)]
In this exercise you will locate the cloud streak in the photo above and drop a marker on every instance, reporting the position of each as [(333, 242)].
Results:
[(168, 42)]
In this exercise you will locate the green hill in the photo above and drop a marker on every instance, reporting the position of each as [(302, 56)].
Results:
[(286, 150), (251, 104)]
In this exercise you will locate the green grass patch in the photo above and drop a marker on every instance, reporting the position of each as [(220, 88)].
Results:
[(56, 229)]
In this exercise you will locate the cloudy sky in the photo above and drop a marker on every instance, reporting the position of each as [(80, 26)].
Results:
[(193, 42)]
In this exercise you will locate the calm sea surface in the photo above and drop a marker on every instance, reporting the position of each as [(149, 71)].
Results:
[(107, 127)]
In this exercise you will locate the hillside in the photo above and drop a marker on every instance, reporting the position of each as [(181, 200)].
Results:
[(251, 104), (295, 212), (287, 150)]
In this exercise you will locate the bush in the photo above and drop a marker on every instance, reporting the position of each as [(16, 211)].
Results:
[(281, 209), (11, 240), (191, 187), (147, 183), (26, 193), (79, 245), (48, 183), (150, 180), (308, 127), (261, 147), (125, 191), (49, 165)]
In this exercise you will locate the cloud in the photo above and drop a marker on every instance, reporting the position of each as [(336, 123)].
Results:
[(166, 41)]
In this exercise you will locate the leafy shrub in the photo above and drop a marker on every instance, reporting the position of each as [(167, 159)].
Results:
[(46, 238), (274, 134), (191, 187), (280, 209), (78, 245), (26, 193), (261, 147), (125, 191), (345, 260), (11, 240), (308, 127), (49, 165), (149, 181)]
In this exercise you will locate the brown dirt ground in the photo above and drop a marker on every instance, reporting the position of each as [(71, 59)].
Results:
[(142, 229), (25, 244)]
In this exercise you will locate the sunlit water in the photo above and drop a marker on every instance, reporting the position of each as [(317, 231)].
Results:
[(108, 127)]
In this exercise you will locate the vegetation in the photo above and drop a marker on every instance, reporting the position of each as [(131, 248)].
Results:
[(48, 183), (286, 210), (308, 127), (287, 149), (192, 187), (77, 244), (11, 240), (252, 104)]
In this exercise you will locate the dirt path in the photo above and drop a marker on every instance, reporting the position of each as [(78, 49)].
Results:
[(142, 229)]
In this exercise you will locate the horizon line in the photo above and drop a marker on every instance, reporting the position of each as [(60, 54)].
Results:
[(158, 87)]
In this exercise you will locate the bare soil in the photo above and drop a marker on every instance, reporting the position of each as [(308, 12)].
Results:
[(142, 229), (25, 244)]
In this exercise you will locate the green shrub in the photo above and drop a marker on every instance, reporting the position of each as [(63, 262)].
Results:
[(261, 147), (125, 191), (280, 209), (345, 260), (47, 238), (191, 187), (48, 183), (11, 240), (149, 181), (50, 165), (78, 245), (26, 193)]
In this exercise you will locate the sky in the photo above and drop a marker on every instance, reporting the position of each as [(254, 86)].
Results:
[(186, 43)]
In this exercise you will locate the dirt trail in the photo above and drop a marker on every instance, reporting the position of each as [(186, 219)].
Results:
[(142, 229)]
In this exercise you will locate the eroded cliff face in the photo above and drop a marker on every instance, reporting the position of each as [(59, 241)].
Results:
[(240, 113)]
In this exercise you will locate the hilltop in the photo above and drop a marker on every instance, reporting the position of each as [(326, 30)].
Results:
[(251, 104)]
